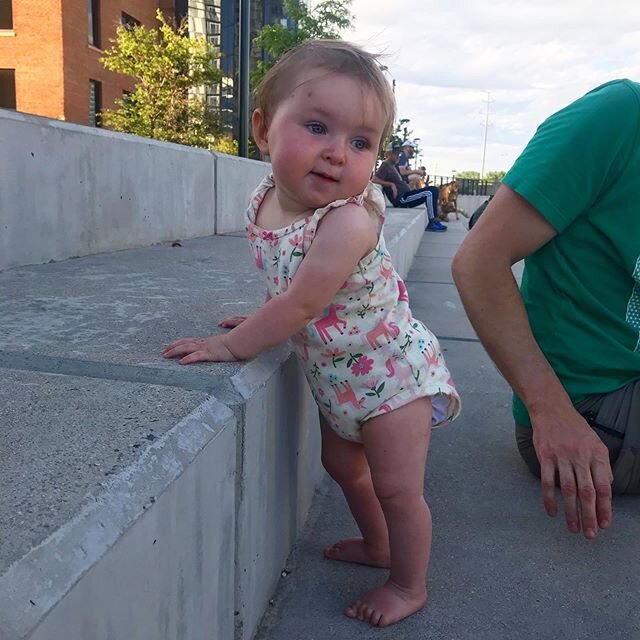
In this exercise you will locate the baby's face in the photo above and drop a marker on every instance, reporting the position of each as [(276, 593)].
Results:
[(323, 139)]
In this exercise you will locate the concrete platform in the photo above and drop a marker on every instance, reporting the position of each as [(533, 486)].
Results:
[(140, 498), (500, 568)]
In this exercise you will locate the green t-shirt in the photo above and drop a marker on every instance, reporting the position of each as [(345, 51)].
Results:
[(581, 171)]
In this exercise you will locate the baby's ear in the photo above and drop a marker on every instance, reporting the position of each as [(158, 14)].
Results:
[(260, 127)]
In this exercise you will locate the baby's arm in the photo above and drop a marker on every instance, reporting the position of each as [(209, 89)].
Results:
[(345, 236)]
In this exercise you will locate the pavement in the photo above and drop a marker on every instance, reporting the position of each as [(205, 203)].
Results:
[(500, 567)]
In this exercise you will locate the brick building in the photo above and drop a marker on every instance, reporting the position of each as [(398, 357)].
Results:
[(50, 53)]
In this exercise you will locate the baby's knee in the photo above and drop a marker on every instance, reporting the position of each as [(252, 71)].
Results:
[(394, 494)]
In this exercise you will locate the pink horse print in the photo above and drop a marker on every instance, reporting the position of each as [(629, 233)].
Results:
[(259, 259), (399, 370), (347, 395), (388, 330), (431, 354), (403, 295), (330, 321)]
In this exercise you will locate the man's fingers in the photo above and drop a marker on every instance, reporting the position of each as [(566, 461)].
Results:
[(569, 495), (547, 480), (602, 479), (587, 500)]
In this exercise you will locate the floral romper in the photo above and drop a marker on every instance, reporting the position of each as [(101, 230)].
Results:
[(365, 354)]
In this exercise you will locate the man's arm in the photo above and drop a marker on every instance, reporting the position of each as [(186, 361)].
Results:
[(405, 170), (509, 230), (386, 183)]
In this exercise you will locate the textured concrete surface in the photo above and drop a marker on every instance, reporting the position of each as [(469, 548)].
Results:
[(63, 438), (97, 476), (500, 568)]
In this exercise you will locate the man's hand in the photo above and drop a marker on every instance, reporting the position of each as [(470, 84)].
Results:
[(233, 321), (581, 460), (394, 190), (190, 350)]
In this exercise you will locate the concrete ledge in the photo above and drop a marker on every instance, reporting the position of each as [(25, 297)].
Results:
[(68, 190), (98, 571), (223, 487)]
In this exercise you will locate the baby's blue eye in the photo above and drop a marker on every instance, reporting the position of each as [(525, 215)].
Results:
[(317, 128), (361, 145)]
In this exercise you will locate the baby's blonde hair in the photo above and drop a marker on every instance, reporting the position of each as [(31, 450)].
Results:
[(336, 56)]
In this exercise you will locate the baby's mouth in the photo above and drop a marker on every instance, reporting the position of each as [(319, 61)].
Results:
[(325, 176)]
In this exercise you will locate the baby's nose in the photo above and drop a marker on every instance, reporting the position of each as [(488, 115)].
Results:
[(336, 152)]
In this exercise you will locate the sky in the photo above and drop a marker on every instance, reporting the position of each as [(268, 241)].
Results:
[(534, 57)]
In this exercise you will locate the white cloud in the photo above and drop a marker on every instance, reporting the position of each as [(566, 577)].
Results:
[(534, 56)]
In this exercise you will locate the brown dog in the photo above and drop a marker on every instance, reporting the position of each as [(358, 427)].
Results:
[(448, 200)]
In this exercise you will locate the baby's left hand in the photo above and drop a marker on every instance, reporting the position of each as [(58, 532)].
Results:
[(211, 349)]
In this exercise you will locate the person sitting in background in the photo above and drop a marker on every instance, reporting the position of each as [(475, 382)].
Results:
[(415, 178), (399, 193)]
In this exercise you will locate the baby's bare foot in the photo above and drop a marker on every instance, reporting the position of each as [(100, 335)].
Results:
[(358, 551), (387, 605)]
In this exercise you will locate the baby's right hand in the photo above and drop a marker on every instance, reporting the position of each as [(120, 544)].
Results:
[(233, 321)]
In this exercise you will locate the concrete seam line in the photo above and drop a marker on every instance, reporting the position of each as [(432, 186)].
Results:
[(257, 372), (76, 546), (193, 381)]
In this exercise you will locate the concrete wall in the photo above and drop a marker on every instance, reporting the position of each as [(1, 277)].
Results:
[(91, 191), (151, 558), (470, 203)]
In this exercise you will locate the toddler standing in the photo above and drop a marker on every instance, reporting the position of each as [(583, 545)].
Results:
[(376, 373)]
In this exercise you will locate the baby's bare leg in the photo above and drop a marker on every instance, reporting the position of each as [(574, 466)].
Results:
[(396, 447), (346, 463)]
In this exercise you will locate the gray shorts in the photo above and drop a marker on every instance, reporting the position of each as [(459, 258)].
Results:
[(615, 417)]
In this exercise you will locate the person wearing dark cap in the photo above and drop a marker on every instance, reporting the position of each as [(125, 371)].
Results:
[(408, 174), (400, 194)]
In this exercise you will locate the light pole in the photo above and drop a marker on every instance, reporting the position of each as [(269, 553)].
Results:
[(486, 127)]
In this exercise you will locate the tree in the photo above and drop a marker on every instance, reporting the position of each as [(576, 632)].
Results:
[(326, 20), (495, 176), (469, 175), (167, 67), (400, 133)]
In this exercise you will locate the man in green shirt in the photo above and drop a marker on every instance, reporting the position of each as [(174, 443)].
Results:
[(569, 341)]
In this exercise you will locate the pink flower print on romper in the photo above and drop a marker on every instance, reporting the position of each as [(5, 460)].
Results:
[(296, 241), (362, 366)]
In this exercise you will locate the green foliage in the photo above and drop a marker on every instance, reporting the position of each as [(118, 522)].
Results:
[(326, 20), (167, 66), (490, 176), (495, 176), (400, 133)]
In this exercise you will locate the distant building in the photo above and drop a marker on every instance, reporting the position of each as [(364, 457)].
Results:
[(50, 57)]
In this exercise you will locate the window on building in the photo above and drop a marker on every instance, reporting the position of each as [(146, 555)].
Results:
[(93, 9), (129, 21), (95, 102), (6, 14), (8, 88)]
